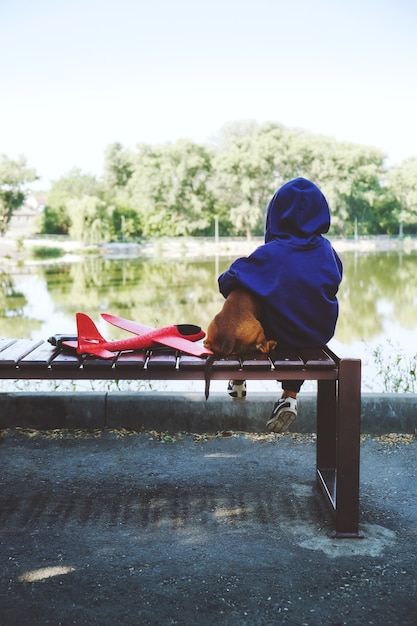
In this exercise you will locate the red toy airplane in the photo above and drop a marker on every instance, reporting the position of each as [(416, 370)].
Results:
[(179, 336)]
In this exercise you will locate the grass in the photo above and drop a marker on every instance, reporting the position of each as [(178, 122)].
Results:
[(396, 371)]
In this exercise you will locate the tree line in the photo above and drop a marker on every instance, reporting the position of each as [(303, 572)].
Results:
[(186, 188)]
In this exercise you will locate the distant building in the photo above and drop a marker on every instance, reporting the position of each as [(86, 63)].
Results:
[(24, 220)]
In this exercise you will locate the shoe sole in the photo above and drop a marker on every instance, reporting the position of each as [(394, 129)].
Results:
[(281, 422)]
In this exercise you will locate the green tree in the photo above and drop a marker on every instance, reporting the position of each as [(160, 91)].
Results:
[(246, 170), (118, 169), (90, 219), (383, 217), (125, 223), (253, 160), (118, 165), (181, 188), (348, 174), (14, 176), (169, 188), (61, 202), (55, 221), (402, 181)]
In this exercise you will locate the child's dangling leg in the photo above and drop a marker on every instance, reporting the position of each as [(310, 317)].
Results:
[(285, 409)]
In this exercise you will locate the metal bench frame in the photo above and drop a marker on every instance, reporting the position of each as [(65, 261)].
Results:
[(338, 397)]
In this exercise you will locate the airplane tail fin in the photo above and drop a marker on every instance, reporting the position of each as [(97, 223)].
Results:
[(89, 338)]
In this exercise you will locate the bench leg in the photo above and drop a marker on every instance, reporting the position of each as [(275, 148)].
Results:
[(348, 448), (338, 445), (326, 424)]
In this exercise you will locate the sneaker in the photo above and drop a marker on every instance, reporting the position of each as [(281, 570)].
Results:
[(237, 390), (283, 415)]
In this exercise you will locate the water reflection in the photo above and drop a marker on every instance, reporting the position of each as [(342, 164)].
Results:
[(378, 296), (377, 288), (157, 293)]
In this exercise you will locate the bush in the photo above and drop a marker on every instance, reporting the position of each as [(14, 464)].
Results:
[(47, 252)]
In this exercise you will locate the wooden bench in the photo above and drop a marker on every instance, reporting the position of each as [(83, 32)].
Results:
[(338, 397)]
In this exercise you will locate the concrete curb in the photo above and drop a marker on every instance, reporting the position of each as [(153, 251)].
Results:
[(187, 412)]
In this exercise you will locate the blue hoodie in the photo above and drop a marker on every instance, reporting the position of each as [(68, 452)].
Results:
[(296, 273)]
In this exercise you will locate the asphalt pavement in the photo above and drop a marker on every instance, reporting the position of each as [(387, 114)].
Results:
[(118, 527)]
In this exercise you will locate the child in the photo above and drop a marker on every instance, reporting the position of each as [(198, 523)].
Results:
[(296, 273)]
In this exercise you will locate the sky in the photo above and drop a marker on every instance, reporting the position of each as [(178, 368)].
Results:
[(77, 76)]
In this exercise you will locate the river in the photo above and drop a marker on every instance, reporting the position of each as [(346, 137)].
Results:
[(378, 302)]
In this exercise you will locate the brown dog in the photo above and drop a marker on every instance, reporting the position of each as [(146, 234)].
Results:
[(236, 329)]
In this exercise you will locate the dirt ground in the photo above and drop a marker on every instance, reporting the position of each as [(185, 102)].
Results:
[(126, 528)]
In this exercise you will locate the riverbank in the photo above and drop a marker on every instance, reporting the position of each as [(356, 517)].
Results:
[(188, 412), (20, 251), (234, 247)]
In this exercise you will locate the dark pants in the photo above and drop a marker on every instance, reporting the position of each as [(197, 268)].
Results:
[(287, 385), (292, 385)]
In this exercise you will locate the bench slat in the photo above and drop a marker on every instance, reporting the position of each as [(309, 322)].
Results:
[(94, 362), (317, 358), (37, 355), (131, 360), (16, 351), (285, 358), (40, 357), (5, 343), (256, 362), (161, 360), (67, 360), (188, 362), (227, 364)]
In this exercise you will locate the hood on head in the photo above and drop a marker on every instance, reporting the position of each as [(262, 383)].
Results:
[(297, 208)]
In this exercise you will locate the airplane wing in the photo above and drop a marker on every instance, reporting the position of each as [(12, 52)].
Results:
[(180, 337), (180, 343), (131, 327), (191, 332)]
